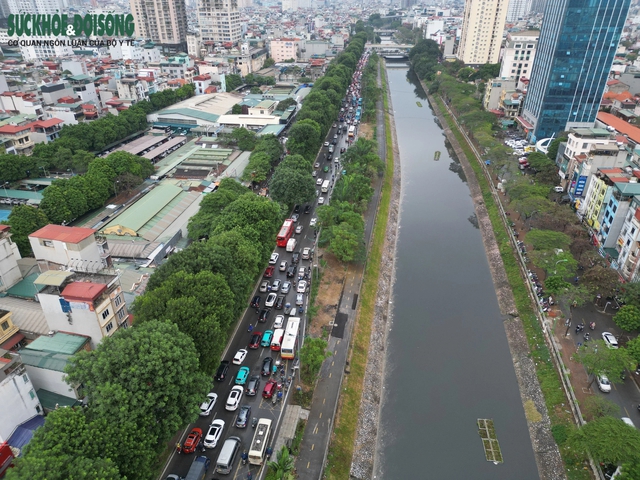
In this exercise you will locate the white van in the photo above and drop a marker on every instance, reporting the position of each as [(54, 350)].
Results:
[(291, 244), (278, 334), (319, 181), (228, 455)]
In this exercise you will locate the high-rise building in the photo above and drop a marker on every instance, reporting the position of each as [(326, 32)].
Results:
[(162, 21), (482, 31), (518, 9), (537, 6), (219, 21), (577, 44), (519, 53)]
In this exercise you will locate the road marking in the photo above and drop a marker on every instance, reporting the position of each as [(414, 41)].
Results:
[(313, 446), (320, 415), (324, 400), (329, 374), (308, 464), (315, 430)]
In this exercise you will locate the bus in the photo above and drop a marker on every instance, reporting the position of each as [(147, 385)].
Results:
[(285, 232), (290, 341), (260, 441), (352, 131), (325, 186)]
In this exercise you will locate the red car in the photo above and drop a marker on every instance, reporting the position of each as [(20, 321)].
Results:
[(256, 338), (269, 389), (268, 273), (192, 441)]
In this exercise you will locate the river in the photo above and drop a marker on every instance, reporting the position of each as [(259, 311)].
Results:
[(448, 360)]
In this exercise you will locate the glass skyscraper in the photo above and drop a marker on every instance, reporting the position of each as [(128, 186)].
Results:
[(577, 44)]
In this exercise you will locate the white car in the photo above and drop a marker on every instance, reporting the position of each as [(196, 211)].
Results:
[(233, 401), (214, 433), (286, 287), (603, 383), (317, 165), (274, 258), (240, 356), (326, 144), (313, 222), (207, 406), (271, 300), (278, 322), (321, 201), (558, 189), (299, 301), (314, 174), (319, 181), (302, 286), (283, 266), (306, 253), (609, 340)]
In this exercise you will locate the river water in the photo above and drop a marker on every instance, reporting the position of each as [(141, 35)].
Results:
[(448, 361)]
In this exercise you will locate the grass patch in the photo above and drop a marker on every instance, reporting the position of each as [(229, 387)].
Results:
[(550, 383), (312, 310), (344, 434), (297, 439)]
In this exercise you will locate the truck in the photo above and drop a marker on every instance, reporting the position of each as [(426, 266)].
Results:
[(198, 468), (291, 245), (325, 189)]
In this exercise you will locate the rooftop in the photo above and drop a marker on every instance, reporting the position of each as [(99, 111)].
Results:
[(83, 291), (63, 233)]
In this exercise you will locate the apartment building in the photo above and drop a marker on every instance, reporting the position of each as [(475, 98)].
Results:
[(482, 29)]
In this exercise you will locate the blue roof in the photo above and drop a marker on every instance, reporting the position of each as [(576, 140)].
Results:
[(22, 435)]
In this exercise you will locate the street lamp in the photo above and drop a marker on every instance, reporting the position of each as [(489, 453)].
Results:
[(559, 261), (4, 185), (115, 192)]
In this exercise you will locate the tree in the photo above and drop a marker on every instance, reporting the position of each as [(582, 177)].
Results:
[(312, 354), (297, 163), (54, 205), (608, 440), (127, 182), (628, 318), (346, 242), (286, 103), (631, 293), (245, 139), (555, 284), (283, 466), (291, 187), (600, 279), (633, 347), (236, 109), (598, 359), (25, 220), (201, 305), (596, 406), (629, 471), (232, 81), (255, 90), (304, 139), (258, 168), (148, 375), (269, 62), (552, 151), (547, 240), (270, 144)]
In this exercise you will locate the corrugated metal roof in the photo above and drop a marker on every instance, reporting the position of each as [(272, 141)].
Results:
[(87, 291), (45, 360), (23, 433), (51, 400), (27, 315), (53, 277), (63, 233), (59, 342), (25, 288)]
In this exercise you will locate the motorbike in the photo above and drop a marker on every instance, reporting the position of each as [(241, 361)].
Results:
[(244, 457), (592, 325), (587, 337), (254, 422)]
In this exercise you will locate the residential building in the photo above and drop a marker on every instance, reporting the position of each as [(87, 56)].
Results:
[(9, 334), (162, 21), (45, 131), (628, 244), (22, 103), (482, 29), (9, 256), (219, 21), (84, 88), (265, 107), (41, 48), (284, 49), (178, 66), (201, 83), (52, 93), (17, 396), (519, 52), (494, 92), (575, 51), (518, 9), (15, 133)]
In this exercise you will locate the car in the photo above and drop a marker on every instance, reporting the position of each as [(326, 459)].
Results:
[(240, 356), (317, 165), (313, 222), (296, 208), (299, 299), (222, 371), (307, 209), (243, 374), (255, 302), (254, 342), (267, 336), (269, 389), (275, 286), (334, 141), (214, 433), (274, 258), (192, 441), (299, 229), (291, 271), (603, 383), (326, 144), (325, 169), (321, 201), (264, 315), (278, 322), (268, 273), (558, 189), (233, 400), (207, 406), (314, 174), (271, 300), (302, 286), (286, 287), (279, 302), (301, 272), (264, 286), (173, 476), (295, 217), (267, 362), (243, 416), (319, 181), (295, 258), (306, 253), (283, 266), (253, 385), (609, 340), (335, 125)]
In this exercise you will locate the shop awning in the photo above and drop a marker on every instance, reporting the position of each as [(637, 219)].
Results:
[(15, 338)]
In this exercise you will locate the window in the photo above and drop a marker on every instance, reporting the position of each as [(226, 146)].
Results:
[(25, 378), (633, 230), (32, 394), (5, 325), (105, 314), (118, 300), (47, 243), (109, 327)]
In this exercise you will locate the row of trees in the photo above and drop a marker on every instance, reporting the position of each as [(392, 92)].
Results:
[(265, 156), (67, 199)]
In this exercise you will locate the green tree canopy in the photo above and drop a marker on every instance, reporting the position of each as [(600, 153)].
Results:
[(25, 220), (548, 240), (258, 168), (291, 187), (304, 139), (598, 359), (608, 440), (312, 354), (628, 318)]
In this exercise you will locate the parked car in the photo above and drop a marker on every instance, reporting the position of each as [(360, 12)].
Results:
[(271, 300), (255, 303), (266, 339), (207, 406), (326, 144), (302, 286), (609, 340), (286, 286), (278, 322), (269, 389), (264, 286), (268, 273), (603, 383), (274, 258), (243, 374), (214, 433), (253, 386), (279, 302), (243, 416), (239, 356), (254, 342), (192, 441), (222, 371), (234, 398), (264, 315), (266, 366)]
